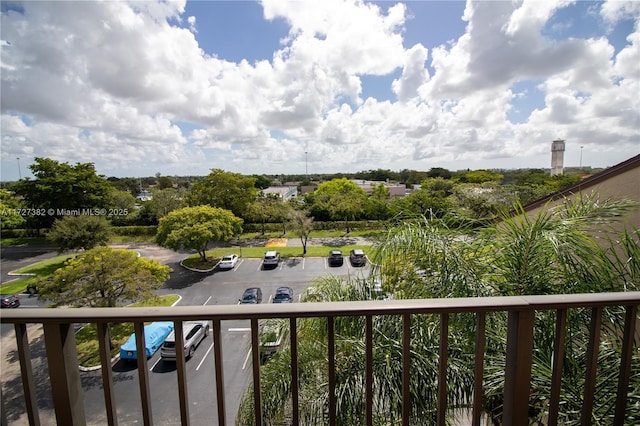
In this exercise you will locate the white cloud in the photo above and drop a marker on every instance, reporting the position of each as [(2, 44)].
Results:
[(112, 87)]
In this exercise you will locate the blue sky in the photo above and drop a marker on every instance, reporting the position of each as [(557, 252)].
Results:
[(179, 88)]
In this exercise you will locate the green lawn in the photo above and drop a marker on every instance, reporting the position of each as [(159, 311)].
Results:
[(87, 337), (40, 270)]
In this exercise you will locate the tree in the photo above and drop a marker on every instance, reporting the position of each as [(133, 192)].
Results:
[(165, 201), (377, 205), (10, 211), (553, 252), (164, 182), (104, 277), (263, 209), (262, 182), (60, 186), (436, 172), (123, 206), (479, 176), (195, 227), (343, 199), (226, 190), (302, 225), (79, 232)]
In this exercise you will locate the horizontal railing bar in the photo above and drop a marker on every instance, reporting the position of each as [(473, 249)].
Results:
[(321, 309)]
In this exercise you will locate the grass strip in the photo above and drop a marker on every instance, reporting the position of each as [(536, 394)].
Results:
[(40, 270), (214, 255)]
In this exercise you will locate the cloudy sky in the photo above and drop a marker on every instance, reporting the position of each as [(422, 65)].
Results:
[(277, 86)]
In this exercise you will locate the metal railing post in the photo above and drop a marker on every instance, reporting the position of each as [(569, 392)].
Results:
[(217, 355), (517, 375), (28, 384), (478, 368), (104, 347), (630, 319), (143, 373), (66, 388), (443, 358)]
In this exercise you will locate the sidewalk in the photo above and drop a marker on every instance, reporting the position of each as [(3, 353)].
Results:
[(295, 242), (331, 242)]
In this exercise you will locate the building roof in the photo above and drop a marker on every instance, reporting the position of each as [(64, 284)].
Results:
[(588, 182)]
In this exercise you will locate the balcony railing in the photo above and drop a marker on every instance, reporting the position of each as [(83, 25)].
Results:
[(58, 325)]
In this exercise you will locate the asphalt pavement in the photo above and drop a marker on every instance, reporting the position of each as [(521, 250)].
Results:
[(212, 288)]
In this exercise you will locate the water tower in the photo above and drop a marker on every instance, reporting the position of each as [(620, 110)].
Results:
[(557, 157)]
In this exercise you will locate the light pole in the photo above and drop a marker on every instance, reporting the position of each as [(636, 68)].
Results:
[(306, 168), (19, 171), (581, 157)]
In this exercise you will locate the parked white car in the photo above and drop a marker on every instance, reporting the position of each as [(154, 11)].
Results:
[(194, 332), (228, 261)]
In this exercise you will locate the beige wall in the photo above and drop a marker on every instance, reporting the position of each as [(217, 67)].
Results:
[(615, 185)]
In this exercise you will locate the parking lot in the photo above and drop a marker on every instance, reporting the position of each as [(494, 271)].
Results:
[(212, 288), (217, 287)]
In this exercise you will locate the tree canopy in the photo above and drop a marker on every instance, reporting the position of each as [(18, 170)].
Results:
[(195, 227), (60, 186), (226, 190), (104, 277), (10, 211), (552, 252), (79, 232), (341, 198), (302, 225)]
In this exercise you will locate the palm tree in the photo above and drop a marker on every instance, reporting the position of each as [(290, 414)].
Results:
[(554, 251)]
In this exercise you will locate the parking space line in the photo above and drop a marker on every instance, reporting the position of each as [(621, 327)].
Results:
[(242, 329), (207, 300), (246, 360), (155, 363), (238, 265), (204, 357), (259, 266)]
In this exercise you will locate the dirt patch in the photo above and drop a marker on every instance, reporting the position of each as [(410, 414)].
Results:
[(277, 242)]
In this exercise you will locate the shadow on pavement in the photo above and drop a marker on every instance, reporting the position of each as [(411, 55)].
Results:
[(164, 367), (182, 277), (124, 365)]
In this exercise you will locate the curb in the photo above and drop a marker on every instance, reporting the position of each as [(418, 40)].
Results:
[(198, 270)]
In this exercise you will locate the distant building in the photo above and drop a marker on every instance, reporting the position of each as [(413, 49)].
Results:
[(557, 157), (305, 189), (395, 190), (144, 195), (284, 192)]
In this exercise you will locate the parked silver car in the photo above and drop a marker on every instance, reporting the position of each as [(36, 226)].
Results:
[(194, 332), (271, 259)]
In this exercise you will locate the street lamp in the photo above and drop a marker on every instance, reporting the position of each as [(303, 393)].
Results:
[(306, 168), (581, 157), (19, 171)]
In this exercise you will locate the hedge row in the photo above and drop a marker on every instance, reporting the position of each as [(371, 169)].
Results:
[(360, 225), (133, 231), (130, 231)]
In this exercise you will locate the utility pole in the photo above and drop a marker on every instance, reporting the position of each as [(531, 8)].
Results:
[(19, 171), (581, 157), (306, 168)]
